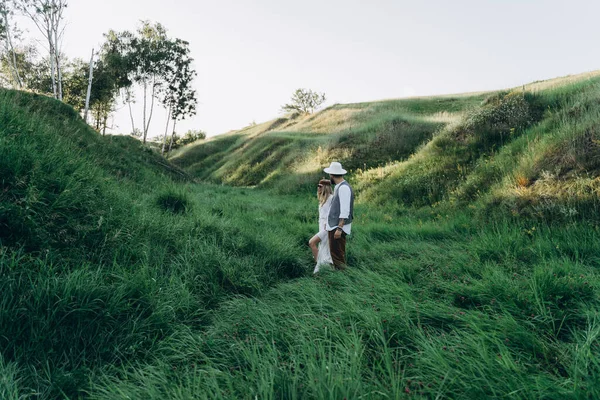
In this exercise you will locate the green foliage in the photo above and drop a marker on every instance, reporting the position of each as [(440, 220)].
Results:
[(177, 94), (189, 137), (471, 312), (32, 70), (83, 209), (103, 91), (464, 161), (192, 136), (160, 65), (9, 381)]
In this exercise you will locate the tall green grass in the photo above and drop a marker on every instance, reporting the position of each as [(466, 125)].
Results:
[(121, 278), (449, 310), (101, 260)]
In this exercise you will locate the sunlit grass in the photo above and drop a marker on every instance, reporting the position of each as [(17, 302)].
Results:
[(561, 82)]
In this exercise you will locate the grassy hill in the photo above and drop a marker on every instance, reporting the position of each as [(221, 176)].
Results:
[(362, 135), (418, 151), (473, 261), (106, 249)]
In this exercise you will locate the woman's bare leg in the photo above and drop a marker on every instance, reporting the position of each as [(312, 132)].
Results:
[(313, 243)]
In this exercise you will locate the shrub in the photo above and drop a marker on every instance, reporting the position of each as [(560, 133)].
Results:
[(496, 122)]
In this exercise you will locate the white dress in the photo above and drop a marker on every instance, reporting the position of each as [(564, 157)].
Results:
[(324, 255)]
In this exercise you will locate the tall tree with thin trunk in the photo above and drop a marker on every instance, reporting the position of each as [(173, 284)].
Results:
[(183, 108), (177, 94), (6, 11), (89, 90), (161, 67), (164, 145), (139, 58), (128, 96), (117, 54), (48, 17), (91, 86), (150, 50)]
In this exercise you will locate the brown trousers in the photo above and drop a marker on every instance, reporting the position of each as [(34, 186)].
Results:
[(337, 248)]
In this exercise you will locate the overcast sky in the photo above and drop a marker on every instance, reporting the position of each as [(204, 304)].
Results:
[(251, 55)]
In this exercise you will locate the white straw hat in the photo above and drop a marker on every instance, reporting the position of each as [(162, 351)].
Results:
[(335, 169)]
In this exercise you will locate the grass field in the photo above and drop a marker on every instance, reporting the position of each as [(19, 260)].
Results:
[(123, 278)]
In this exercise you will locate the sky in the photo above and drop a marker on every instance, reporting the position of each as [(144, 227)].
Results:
[(251, 55)]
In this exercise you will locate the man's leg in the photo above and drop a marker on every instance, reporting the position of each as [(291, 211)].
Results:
[(338, 250)]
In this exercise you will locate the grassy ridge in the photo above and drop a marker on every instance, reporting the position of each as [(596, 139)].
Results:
[(361, 135), (417, 151), (505, 152), (121, 279)]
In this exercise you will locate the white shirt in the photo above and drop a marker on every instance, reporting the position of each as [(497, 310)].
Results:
[(345, 196)]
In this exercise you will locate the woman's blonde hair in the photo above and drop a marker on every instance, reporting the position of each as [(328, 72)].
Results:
[(323, 195)]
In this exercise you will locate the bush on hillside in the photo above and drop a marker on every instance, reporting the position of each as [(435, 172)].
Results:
[(175, 142), (502, 116), (563, 184), (190, 136), (553, 171)]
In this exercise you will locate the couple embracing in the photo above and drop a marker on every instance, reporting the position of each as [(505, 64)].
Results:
[(336, 210)]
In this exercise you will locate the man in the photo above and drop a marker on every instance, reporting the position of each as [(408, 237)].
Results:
[(339, 222)]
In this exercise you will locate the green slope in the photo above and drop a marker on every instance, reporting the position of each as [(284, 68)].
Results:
[(532, 151), (360, 135), (417, 151), (473, 263), (106, 249), (59, 176)]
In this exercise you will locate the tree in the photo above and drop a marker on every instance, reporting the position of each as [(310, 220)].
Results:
[(305, 101), (102, 94), (160, 66), (177, 141), (6, 11), (149, 57), (184, 107), (118, 55), (178, 96), (33, 72), (48, 17), (141, 58), (89, 88), (75, 84)]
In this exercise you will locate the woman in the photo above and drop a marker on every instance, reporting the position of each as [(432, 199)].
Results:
[(321, 254)]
